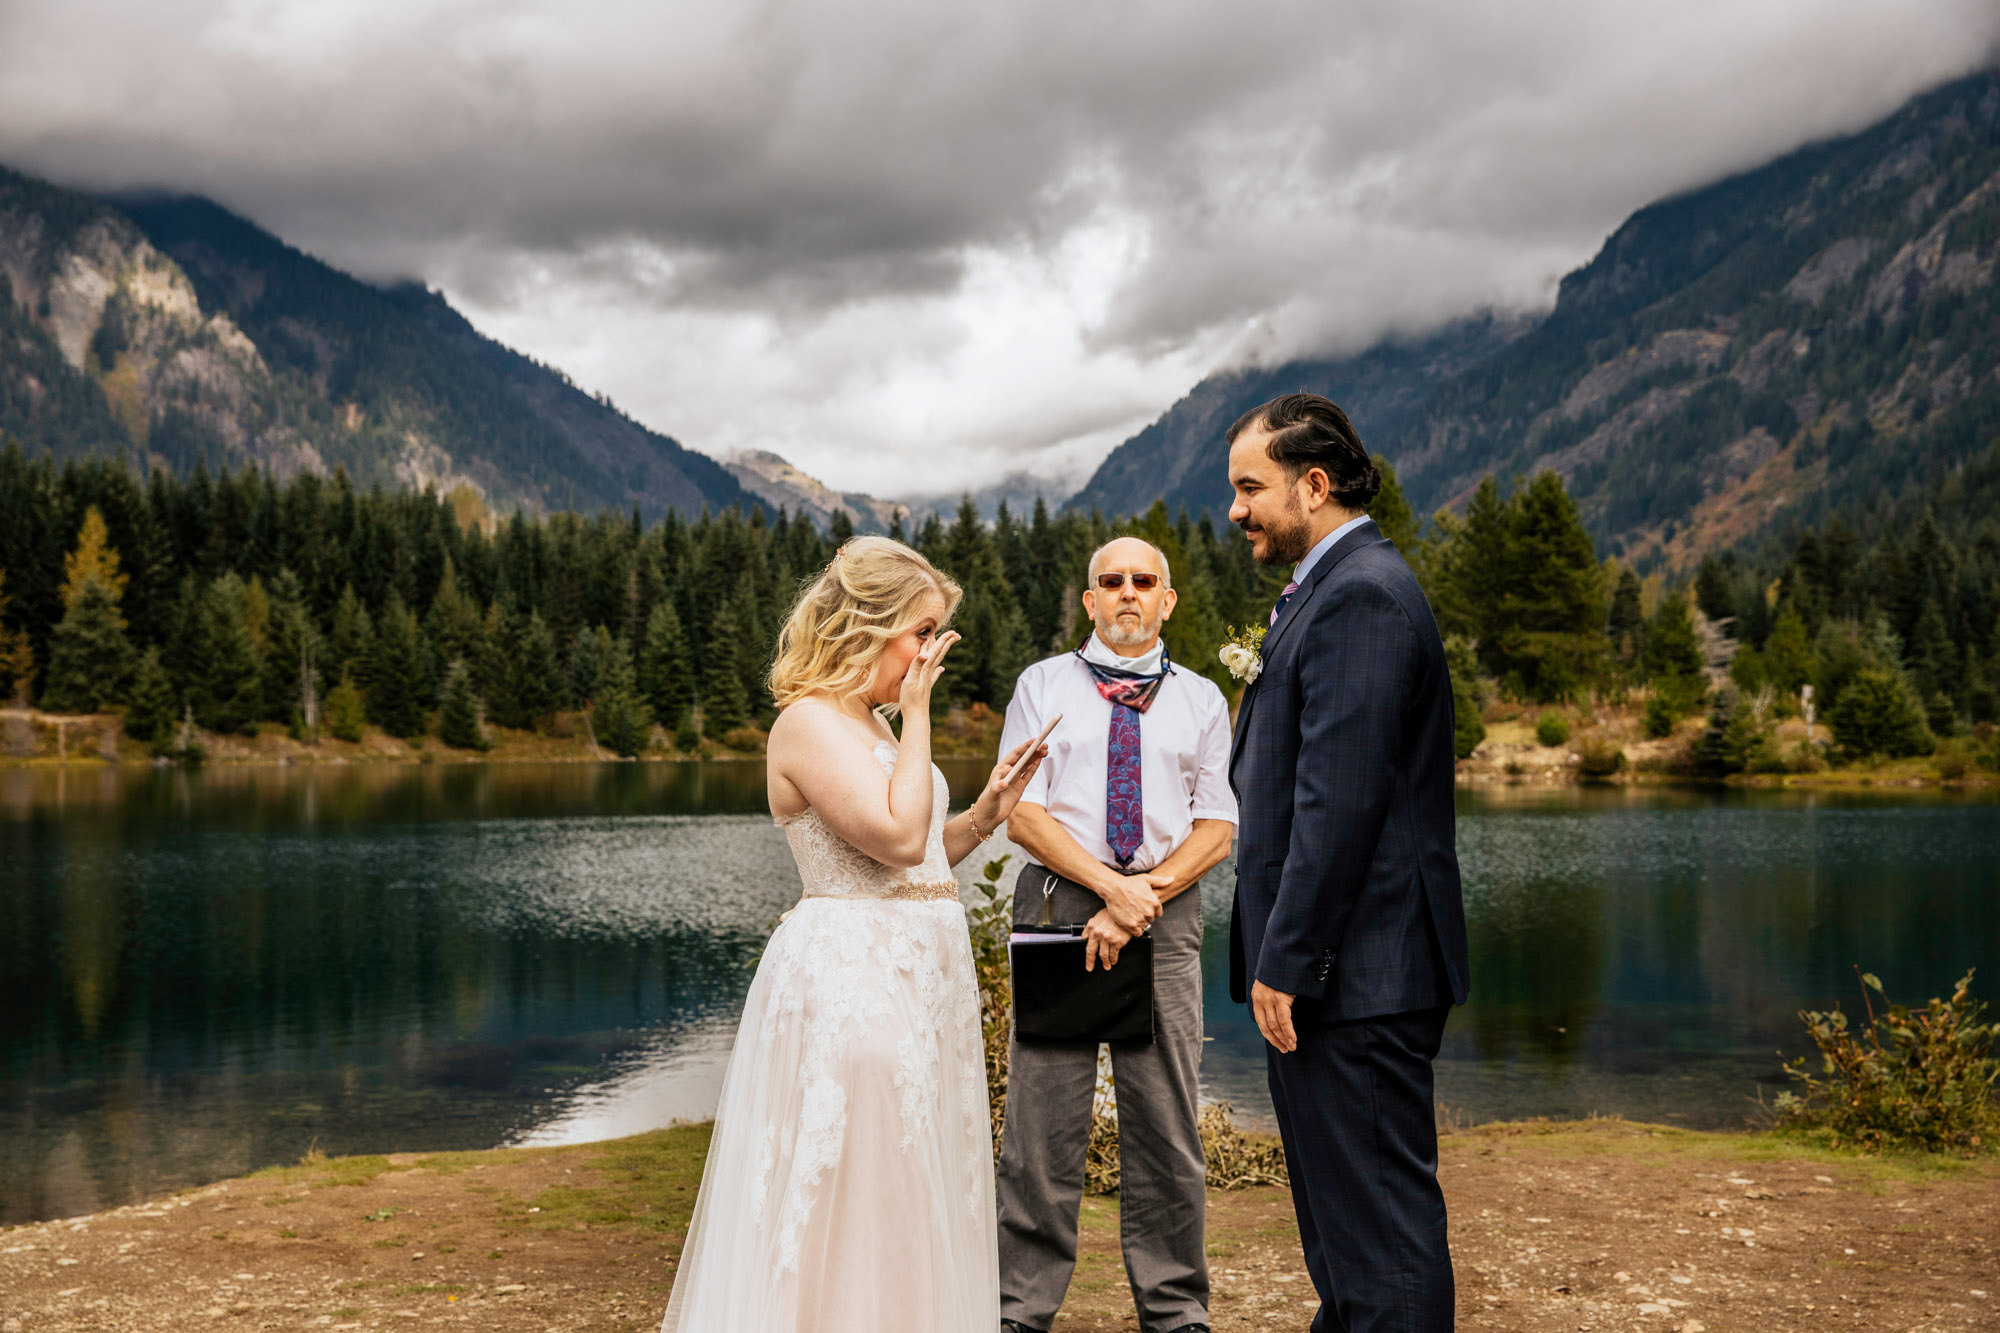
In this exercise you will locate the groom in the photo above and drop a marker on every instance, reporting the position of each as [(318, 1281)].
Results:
[(1348, 937)]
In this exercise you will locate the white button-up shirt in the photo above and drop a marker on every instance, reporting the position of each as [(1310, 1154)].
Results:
[(1183, 760)]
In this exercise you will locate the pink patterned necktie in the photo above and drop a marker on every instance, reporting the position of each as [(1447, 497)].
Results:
[(1129, 695), (1283, 597)]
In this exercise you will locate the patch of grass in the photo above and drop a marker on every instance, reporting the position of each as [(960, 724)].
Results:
[(1612, 1136), (288, 1234), (326, 1172), (496, 1254), (346, 1312), (388, 1243), (429, 1289)]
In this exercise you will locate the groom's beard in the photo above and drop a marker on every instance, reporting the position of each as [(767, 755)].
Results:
[(1286, 542)]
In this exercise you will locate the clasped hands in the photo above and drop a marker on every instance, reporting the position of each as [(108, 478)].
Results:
[(1131, 905)]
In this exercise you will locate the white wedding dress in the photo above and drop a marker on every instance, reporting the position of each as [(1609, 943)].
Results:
[(849, 1183)]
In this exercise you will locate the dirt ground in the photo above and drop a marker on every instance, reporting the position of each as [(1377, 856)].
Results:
[(1600, 1225)]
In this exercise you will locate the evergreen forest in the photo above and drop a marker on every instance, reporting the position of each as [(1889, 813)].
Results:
[(229, 602)]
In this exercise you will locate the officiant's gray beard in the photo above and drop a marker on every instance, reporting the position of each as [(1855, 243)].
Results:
[(1118, 636)]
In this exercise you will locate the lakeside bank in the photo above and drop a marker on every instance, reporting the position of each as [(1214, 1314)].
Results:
[(1592, 1225), (1604, 746)]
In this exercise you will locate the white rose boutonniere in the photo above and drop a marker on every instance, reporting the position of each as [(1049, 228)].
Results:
[(1241, 653)]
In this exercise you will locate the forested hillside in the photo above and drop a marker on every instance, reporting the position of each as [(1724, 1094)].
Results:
[(235, 601), (1759, 352), (240, 600), (167, 329)]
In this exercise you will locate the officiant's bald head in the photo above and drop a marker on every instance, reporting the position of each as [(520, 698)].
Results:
[(1130, 593), (1120, 550)]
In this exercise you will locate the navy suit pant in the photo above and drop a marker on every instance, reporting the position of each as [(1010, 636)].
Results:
[(1355, 1112)]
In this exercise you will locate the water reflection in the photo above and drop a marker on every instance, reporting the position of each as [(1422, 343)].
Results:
[(209, 971)]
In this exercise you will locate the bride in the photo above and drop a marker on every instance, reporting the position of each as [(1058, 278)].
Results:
[(849, 1183)]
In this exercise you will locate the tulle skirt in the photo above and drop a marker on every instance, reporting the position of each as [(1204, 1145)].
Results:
[(849, 1183)]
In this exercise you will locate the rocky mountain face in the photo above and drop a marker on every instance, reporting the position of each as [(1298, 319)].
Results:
[(170, 330), (1806, 335), (782, 485)]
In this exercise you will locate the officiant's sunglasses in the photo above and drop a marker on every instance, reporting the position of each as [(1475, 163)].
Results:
[(1141, 582)]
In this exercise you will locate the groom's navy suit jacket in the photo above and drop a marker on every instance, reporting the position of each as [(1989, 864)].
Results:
[(1347, 892)]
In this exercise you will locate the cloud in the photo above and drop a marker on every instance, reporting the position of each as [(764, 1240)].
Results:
[(913, 245)]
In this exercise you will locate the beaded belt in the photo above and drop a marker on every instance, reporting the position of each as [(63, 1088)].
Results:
[(922, 893)]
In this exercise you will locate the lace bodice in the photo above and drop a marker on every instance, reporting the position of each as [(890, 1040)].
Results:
[(832, 867)]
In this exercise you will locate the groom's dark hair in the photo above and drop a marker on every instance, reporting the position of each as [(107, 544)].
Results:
[(1309, 431)]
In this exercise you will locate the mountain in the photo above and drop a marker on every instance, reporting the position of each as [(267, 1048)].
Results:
[(167, 328), (782, 485), (1794, 338), (1017, 490), (1179, 457)]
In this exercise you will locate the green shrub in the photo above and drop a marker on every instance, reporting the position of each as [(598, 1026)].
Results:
[(1552, 730), (744, 740), (1878, 713), (1952, 763), (1468, 729), (1910, 1079), (1601, 755)]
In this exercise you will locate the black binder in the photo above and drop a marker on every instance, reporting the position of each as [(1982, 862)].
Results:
[(1056, 1000)]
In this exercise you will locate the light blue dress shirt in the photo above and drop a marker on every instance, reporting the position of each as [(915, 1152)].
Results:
[(1325, 544)]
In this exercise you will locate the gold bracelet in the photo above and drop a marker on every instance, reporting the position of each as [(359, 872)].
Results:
[(972, 822)]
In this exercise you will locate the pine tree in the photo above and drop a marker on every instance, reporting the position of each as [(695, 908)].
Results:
[(454, 626), (538, 676), (459, 711), (1671, 647), (619, 716), (351, 646), (153, 706), (292, 652), (396, 673), (493, 671), (89, 655), (17, 655), (1626, 625), (1468, 725), (1711, 757), (1788, 654), (583, 666), (1391, 510), (92, 560), (1878, 713), (666, 678), (225, 684), (725, 703), (1711, 590), (346, 715)]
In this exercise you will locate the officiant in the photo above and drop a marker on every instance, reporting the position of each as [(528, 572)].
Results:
[(1130, 809)]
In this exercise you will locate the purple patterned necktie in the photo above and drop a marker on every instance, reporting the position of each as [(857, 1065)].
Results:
[(1130, 695), (1283, 597)]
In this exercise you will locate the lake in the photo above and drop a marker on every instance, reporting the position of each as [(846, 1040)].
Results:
[(203, 972)]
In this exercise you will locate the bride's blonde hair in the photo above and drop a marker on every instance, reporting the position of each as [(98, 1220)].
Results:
[(872, 591)]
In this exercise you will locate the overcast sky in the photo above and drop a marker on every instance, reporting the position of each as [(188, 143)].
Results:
[(916, 245)]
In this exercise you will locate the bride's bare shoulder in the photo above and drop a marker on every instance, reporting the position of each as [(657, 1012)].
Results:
[(817, 726)]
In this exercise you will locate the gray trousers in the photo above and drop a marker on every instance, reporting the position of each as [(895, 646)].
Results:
[(1162, 1191)]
